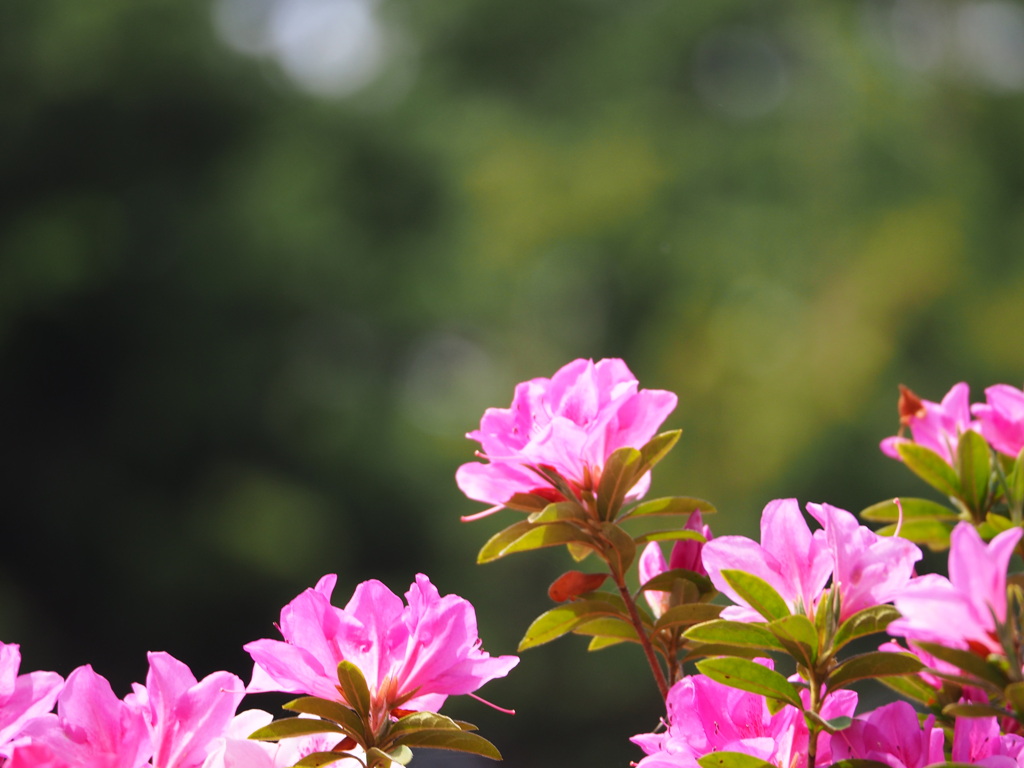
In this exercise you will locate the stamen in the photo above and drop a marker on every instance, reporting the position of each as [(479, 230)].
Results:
[(478, 515), (492, 706), (899, 521)]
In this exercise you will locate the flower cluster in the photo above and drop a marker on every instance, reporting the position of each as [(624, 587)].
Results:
[(411, 658), (575, 453)]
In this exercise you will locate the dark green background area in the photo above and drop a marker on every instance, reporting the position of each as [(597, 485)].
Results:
[(244, 327)]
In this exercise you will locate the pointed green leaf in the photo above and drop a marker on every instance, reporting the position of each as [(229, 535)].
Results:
[(757, 593), (998, 523), (863, 623), (656, 449), (687, 615), (799, 637), (859, 763), (968, 662), (672, 505), (551, 475), (562, 619), (665, 581), (734, 633), (378, 757), (598, 643), (1015, 482), (673, 534), (750, 676), (974, 467), (934, 534), (731, 760), (608, 626), (617, 478), (530, 537), (330, 710), (563, 510), (705, 650), (829, 726), (422, 721), (913, 509), (316, 759), (579, 552), (875, 664), (913, 687), (353, 688), (930, 467), (620, 550), (457, 740), (526, 502), (963, 709), (293, 726)]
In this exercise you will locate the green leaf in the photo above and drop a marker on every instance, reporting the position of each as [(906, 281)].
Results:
[(734, 633), (930, 467), (913, 509), (563, 510), (799, 637), (617, 478), (859, 763), (872, 665), (599, 643), (968, 662), (1015, 483), (608, 626), (963, 709), (750, 676), (293, 726), (672, 505), (911, 686), (456, 740), (998, 523), (526, 502), (732, 760), (620, 550), (863, 623), (525, 536), (757, 593), (316, 759), (673, 534), (934, 534), (330, 710), (666, 580), (974, 467), (829, 726), (401, 754), (353, 688), (563, 619), (656, 449), (422, 721), (687, 615), (1014, 694)]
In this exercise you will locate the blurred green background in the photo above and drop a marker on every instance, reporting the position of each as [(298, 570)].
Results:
[(264, 262)]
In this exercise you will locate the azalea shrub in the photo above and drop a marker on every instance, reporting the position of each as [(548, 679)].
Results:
[(757, 648)]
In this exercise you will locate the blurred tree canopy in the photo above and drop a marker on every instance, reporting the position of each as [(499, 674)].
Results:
[(264, 262)]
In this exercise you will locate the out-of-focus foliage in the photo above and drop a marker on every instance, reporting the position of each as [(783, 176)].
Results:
[(263, 262)]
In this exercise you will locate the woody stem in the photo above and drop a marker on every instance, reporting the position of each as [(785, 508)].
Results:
[(645, 640)]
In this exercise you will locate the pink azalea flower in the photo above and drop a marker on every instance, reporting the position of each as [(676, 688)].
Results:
[(93, 727), (705, 716), (978, 741), (960, 611), (937, 426), (185, 716), (686, 554), (571, 422), (413, 656), (892, 735), (23, 698), (1001, 418), (867, 569), (794, 562)]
